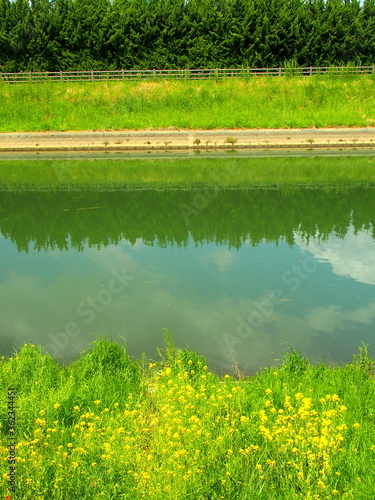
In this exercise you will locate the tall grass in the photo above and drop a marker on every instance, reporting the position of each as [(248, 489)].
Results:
[(110, 427), (268, 102)]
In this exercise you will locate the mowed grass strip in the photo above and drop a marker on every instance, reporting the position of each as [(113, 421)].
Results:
[(110, 427), (257, 102)]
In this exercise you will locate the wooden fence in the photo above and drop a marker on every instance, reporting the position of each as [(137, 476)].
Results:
[(180, 74)]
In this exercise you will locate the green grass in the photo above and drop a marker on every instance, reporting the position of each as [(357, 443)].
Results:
[(268, 102), (107, 426), (221, 172)]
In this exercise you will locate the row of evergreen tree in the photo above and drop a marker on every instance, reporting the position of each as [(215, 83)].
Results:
[(40, 35)]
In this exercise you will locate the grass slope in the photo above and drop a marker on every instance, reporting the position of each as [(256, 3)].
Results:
[(110, 427), (268, 102)]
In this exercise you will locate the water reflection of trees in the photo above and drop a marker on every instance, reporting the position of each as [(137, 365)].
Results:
[(59, 220)]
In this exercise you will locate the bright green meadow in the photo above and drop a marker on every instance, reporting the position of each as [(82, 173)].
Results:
[(108, 426), (256, 102)]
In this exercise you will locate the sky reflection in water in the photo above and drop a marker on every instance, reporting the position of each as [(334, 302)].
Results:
[(229, 287)]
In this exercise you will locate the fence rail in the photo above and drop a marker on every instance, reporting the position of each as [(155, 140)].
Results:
[(180, 74)]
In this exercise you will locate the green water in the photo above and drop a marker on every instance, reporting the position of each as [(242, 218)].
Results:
[(239, 259)]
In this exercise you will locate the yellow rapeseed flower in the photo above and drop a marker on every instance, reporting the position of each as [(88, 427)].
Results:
[(306, 403), (322, 485)]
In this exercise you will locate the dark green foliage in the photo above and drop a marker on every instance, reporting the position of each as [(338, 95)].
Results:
[(146, 34), (40, 220)]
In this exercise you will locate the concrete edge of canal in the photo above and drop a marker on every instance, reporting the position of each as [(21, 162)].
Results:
[(189, 140)]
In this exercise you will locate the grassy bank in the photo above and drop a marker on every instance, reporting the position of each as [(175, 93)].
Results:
[(218, 172), (269, 102), (110, 427)]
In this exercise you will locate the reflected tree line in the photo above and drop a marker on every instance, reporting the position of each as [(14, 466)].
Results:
[(62, 220)]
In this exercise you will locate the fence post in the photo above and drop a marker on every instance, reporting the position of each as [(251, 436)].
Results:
[(184, 73)]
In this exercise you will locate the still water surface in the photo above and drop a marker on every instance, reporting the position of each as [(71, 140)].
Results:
[(234, 272)]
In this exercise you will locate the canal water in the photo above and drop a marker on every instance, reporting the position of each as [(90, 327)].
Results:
[(239, 267)]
